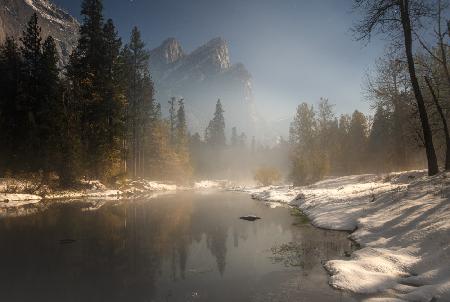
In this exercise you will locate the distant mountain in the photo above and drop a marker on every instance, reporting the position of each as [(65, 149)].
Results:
[(14, 15), (201, 77)]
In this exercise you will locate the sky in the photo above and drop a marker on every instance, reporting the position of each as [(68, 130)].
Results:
[(296, 50)]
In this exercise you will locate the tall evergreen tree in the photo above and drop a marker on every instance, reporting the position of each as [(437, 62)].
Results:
[(234, 137), (113, 104), (97, 86), (141, 110), (215, 133), (49, 114), (31, 98), (380, 140), (172, 119), (86, 75), (343, 149), (182, 140), (12, 118), (181, 128), (302, 138), (357, 134), (242, 140)]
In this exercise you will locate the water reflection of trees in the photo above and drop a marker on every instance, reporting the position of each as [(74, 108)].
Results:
[(310, 247), (123, 251)]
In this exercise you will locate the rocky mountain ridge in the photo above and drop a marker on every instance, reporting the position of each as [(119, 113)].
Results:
[(201, 77), (14, 15)]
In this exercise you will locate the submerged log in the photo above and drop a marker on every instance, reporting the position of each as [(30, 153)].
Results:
[(250, 218)]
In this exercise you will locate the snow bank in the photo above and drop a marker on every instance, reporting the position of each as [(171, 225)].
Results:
[(92, 193), (19, 192), (402, 223), (8, 200), (210, 184), (16, 193), (144, 186)]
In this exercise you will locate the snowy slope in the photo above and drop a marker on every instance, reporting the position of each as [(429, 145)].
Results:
[(402, 223)]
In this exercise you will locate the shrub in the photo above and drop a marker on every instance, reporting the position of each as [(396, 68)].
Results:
[(267, 176)]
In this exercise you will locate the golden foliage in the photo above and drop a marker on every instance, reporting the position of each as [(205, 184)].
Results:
[(267, 176)]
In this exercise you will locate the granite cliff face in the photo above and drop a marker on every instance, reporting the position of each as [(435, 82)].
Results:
[(201, 77), (14, 15)]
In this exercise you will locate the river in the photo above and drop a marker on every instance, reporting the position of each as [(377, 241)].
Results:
[(188, 246)]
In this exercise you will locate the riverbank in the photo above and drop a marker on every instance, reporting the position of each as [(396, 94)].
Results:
[(401, 221), (20, 192)]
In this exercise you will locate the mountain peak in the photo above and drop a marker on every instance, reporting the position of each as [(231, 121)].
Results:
[(217, 42), (169, 52), (215, 52)]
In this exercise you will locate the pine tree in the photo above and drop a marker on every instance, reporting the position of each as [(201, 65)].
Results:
[(12, 119), (86, 75), (49, 114), (143, 114), (253, 146), (96, 76), (242, 140), (172, 119), (31, 100), (380, 141), (215, 133), (90, 44), (182, 147), (234, 137), (181, 128), (343, 161), (302, 141), (113, 104), (357, 134)]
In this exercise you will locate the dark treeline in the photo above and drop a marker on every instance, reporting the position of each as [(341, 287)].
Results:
[(323, 144), (95, 118)]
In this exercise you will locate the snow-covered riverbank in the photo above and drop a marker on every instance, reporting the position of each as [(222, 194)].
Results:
[(16, 193), (401, 221)]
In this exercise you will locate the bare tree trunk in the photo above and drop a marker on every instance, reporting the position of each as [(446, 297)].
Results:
[(444, 123), (426, 129)]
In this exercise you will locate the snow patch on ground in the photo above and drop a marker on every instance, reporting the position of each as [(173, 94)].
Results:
[(141, 186), (210, 184), (20, 192), (16, 200), (401, 220)]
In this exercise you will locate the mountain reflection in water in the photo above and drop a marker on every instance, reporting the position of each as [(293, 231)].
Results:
[(181, 247)]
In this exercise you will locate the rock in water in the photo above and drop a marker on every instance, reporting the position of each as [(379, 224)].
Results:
[(250, 218)]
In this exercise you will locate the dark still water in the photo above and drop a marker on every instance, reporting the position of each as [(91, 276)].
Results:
[(180, 247)]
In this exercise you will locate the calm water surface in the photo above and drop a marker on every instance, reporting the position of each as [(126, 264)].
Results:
[(180, 247)]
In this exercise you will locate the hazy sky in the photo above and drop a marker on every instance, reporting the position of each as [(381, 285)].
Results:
[(296, 50)]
